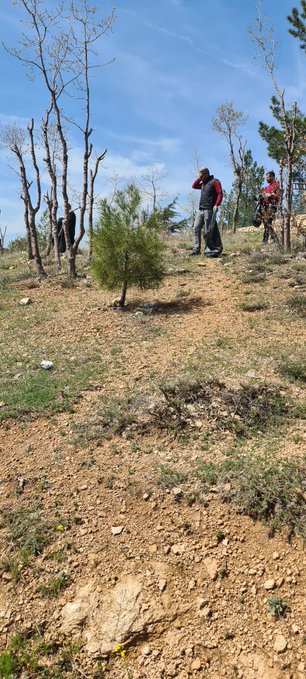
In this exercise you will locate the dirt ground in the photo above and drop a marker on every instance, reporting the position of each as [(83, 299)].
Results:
[(137, 551)]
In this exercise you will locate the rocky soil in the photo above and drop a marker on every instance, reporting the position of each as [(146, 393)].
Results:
[(133, 552)]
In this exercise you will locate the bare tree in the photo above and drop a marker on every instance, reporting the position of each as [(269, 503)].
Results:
[(91, 200), (51, 199), (263, 37), (227, 124), (59, 54), (27, 227), (3, 230), (152, 186), (14, 138), (90, 31)]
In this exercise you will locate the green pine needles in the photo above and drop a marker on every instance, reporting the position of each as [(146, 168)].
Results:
[(127, 246)]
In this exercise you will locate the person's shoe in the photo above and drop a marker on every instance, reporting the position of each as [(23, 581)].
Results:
[(194, 253)]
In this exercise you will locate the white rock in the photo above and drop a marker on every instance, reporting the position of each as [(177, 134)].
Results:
[(162, 585), (25, 301), (178, 549), (211, 566), (111, 617), (146, 650), (269, 584), (117, 530), (47, 365), (280, 644)]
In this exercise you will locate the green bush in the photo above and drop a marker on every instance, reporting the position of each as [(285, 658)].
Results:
[(261, 487), (18, 245), (127, 250)]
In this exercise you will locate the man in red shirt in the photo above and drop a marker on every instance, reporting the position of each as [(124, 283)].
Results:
[(210, 199), (271, 197)]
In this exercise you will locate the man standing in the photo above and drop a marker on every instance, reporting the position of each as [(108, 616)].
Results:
[(271, 198), (210, 199), (71, 230)]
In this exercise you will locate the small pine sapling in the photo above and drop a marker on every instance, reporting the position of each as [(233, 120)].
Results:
[(127, 246)]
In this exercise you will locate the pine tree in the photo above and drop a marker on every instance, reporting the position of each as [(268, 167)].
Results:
[(297, 20), (169, 217), (276, 139), (127, 250), (275, 136)]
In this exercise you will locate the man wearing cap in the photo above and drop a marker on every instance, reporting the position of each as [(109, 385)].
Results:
[(210, 199)]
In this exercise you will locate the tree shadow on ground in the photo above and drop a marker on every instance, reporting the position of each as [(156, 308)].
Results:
[(171, 307)]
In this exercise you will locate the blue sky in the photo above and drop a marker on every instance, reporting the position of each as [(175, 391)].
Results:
[(175, 62)]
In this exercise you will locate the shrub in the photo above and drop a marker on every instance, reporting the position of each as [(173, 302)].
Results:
[(127, 250), (254, 306), (277, 607), (18, 245), (262, 487), (298, 304), (294, 368)]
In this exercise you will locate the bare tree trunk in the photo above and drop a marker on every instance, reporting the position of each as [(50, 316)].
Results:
[(280, 204), (288, 202), (125, 284), (290, 146), (87, 153), (27, 227), (236, 207), (30, 210), (37, 257), (50, 239), (123, 294), (52, 202), (93, 174), (2, 238)]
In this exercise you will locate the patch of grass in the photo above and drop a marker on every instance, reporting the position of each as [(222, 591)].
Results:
[(220, 536), (169, 477), (40, 391), (251, 277), (117, 416), (59, 555), (256, 305), (277, 607), (270, 490), (8, 665), (298, 304), (294, 368), (10, 565), (55, 585), (68, 283), (28, 531), (28, 655), (224, 342), (31, 285), (277, 258)]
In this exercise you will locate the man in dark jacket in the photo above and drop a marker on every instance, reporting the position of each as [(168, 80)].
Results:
[(210, 199), (71, 230)]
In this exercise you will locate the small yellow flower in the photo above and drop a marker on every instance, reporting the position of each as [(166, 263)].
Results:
[(123, 654), (60, 527), (118, 648)]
